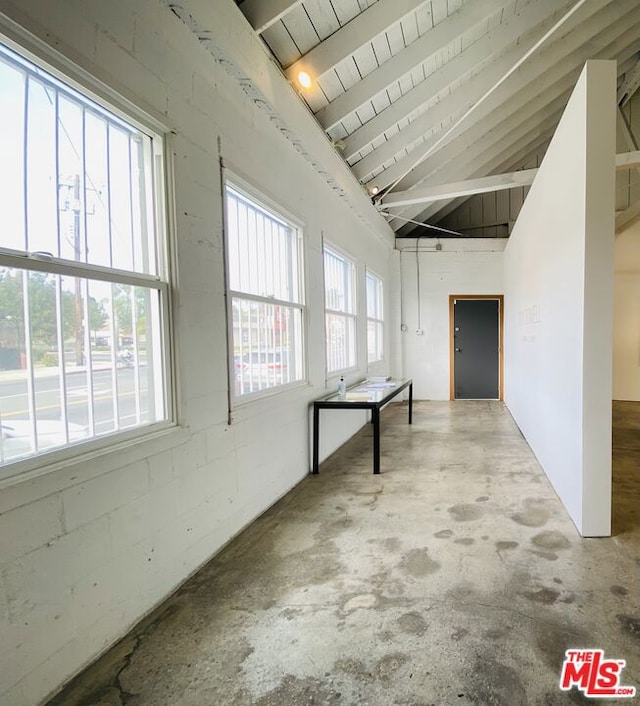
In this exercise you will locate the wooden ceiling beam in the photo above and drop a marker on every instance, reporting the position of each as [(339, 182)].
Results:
[(261, 14), (441, 192), (350, 37), (405, 61)]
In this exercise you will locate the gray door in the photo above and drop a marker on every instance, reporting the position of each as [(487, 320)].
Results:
[(476, 349)]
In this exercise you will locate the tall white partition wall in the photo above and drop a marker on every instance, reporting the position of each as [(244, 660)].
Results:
[(559, 303)]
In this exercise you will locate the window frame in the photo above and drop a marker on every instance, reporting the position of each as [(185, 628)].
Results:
[(351, 316), (370, 274), (275, 210), (87, 89)]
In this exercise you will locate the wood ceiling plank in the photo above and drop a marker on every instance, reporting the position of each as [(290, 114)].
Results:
[(484, 53), (261, 14), (365, 59), (301, 29), (380, 46), (404, 60), (281, 44), (560, 60), (331, 85), (495, 121), (322, 16), (346, 10), (362, 29)]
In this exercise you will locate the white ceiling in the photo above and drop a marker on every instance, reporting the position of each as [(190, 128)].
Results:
[(418, 93)]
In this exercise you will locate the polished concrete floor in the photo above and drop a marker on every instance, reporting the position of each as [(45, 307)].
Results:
[(454, 577)]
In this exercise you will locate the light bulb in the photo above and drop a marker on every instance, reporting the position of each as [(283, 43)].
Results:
[(304, 79)]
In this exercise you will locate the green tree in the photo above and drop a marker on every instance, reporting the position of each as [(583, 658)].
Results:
[(122, 308), (41, 289)]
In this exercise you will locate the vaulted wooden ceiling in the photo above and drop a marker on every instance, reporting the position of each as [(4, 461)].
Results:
[(420, 95)]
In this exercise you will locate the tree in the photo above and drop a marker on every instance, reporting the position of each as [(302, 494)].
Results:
[(43, 320)]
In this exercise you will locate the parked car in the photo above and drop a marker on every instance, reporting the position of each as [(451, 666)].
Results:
[(262, 369), (16, 441)]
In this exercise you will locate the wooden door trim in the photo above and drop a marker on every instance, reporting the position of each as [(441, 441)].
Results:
[(500, 300)]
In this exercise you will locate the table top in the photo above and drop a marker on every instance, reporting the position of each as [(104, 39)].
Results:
[(366, 393)]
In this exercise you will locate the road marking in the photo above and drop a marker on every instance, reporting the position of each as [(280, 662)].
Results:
[(73, 403)]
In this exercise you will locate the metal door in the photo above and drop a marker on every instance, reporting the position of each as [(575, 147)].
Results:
[(476, 339)]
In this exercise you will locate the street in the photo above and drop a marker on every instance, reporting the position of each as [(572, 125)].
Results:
[(109, 386)]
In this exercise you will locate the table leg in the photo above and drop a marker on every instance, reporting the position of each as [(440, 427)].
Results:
[(375, 420), (316, 439), (411, 403)]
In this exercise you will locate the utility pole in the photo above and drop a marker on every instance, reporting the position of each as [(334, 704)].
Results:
[(78, 313)]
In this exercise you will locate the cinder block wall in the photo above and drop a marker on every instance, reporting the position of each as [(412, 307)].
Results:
[(463, 266), (91, 546)]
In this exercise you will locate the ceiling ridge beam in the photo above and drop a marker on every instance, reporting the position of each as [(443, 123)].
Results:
[(405, 61), (350, 37), (261, 14), (499, 45), (539, 78)]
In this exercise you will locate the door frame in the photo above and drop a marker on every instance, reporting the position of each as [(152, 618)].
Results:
[(492, 297)]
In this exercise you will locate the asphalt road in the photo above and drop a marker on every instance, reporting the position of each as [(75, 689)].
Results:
[(131, 405)]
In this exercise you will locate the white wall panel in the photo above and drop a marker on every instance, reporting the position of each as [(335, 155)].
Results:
[(559, 303)]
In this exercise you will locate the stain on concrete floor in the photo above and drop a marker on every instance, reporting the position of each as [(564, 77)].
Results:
[(456, 577)]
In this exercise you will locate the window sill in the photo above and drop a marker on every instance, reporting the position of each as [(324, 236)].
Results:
[(57, 470)]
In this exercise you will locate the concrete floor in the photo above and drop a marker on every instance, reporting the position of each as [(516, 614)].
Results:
[(454, 577)]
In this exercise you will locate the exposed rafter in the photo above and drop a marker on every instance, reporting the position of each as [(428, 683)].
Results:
[(428, 97), (352, 36), (264, 13), (461, 188), (401, 64), (629, 85), (481, 185), (562, 60)]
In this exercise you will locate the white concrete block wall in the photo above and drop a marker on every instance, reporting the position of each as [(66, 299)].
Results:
[(463, 266), (94, 544)]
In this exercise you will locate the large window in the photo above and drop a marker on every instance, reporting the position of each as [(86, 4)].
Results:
[(264, 277), (340, 311), (375, 318), (83, 290)]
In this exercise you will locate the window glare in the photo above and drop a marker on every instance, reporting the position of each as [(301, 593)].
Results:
[(375, 317), (77, 182), (82, 354), (340, 305), (267, 312)]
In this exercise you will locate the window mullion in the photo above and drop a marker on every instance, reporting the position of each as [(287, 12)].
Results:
[(31, 392), (62, 363)]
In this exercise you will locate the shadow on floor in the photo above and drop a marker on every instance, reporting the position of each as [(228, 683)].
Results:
[(626, 467)]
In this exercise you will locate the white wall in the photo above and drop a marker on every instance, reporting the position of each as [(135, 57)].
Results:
[(558, 304), (626, 319), (94, 544), (463, 266)]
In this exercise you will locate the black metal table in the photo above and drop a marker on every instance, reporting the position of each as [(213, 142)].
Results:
[(364, 395)]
